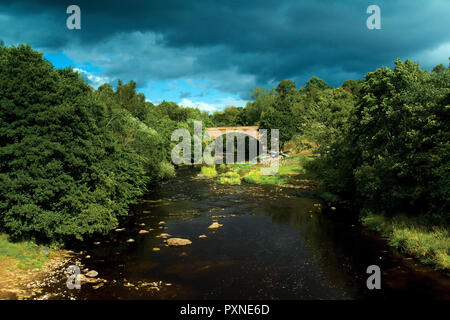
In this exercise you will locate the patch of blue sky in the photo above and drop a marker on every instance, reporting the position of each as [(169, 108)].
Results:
[(191, 92), (195, 92), (61, 60)]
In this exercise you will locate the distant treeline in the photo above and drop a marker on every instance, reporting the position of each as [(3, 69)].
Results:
[(73, 159)]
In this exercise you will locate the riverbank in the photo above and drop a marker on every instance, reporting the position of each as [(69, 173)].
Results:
[(290, 173), (25, 268), (415, 237)]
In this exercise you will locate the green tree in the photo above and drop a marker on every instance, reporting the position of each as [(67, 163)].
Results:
[(129, 99), (315, 84), (325, 117), (227, 117), (403, 134), (280, 116), (262, 100), (62, 174)]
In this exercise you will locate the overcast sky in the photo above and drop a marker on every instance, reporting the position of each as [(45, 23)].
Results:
[(211, 53)]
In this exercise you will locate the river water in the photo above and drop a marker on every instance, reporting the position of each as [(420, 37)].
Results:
[(275, 243)]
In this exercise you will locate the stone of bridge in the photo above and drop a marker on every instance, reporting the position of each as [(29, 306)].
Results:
[(215, 132)]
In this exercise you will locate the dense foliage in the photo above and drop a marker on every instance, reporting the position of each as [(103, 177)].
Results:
[(392, 153), (402, 132), (73, 159), (61, 172)]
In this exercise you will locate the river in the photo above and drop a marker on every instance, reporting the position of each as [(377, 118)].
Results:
[(275, 243)]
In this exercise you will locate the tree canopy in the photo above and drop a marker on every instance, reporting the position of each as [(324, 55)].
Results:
[(73, 159)]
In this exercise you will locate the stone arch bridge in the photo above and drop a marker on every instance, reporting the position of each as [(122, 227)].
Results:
[(252, 131)]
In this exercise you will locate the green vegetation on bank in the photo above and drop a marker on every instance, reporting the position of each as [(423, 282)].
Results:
[(414, 236), (26, 255), (283, 175), (254, 176), (209, 172), (289, 169), (229, 177)]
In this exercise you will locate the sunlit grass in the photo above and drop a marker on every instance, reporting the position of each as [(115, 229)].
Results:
[(233, 166), (288, 168), (209, 172), (255, 176), (430, 244), (230, 177), (27, 254)]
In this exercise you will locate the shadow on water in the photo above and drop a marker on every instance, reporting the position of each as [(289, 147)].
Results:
[(275, 243)]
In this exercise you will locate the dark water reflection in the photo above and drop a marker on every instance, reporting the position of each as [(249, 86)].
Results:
[(274, 244)]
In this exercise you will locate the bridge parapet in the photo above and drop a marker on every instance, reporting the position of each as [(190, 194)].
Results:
[(215, 132)]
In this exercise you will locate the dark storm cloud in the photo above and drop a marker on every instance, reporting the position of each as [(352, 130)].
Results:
[(233, 44)]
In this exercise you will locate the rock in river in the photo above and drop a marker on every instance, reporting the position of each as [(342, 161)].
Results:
[(215, 225), (130, 240), (92, 274), (98, 286), (163, 235), (143, 231), (177, 242)]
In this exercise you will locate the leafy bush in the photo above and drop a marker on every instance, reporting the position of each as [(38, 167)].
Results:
[(26, 254), (209, 172), (166, 170), (252, 176), (229, 177)]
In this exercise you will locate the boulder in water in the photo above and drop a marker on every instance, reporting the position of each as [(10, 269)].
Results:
[(178, 242), (163, 235), (215, 225), (92, 274)]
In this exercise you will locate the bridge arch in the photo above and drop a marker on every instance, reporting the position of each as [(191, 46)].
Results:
[(247, 151)]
